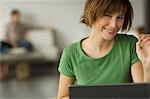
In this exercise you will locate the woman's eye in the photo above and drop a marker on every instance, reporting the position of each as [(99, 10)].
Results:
[(108, 16), (120, 18)]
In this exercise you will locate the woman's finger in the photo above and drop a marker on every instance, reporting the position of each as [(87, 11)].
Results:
[(142, 36), (145, 40)]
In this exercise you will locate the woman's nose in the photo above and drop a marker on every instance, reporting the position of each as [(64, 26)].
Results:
[(113, 23)]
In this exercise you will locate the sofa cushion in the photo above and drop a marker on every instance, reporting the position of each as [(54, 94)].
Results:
[(41, 38), (43, 42)]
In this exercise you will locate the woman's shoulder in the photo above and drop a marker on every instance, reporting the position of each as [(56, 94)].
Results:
[(72, 48), (125, 37)]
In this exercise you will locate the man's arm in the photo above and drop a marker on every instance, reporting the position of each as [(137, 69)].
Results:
[(33, 27), (7, 36)]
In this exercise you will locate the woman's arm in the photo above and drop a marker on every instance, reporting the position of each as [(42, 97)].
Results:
[(137, 72), (63, 88), (143, 51)]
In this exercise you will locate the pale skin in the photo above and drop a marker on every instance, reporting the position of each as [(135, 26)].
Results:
[(143, 51), (100, 43)]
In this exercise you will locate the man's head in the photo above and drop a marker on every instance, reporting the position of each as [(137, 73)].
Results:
[(94, 9), (15, 16)]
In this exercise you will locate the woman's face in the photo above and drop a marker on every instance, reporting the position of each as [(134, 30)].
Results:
[(108, 25)]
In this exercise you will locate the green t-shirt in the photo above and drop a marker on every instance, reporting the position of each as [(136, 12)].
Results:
[(114, 67)]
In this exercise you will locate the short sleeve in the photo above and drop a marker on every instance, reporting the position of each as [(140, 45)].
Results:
[(134, 57), (65, 66)]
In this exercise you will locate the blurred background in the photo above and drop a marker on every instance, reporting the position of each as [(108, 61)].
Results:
[(34, 75)]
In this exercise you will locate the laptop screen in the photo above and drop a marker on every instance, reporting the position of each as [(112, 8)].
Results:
[(110, 91)]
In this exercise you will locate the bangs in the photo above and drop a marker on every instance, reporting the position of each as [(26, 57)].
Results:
[(114, 6)]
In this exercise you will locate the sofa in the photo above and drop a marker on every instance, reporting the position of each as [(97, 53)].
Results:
[(44, 48), (45, 51)]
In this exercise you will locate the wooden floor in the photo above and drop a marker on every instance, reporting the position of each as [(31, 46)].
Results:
[(41, 86)]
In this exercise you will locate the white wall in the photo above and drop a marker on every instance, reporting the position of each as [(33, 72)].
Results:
[(139, 13), (64, 15)]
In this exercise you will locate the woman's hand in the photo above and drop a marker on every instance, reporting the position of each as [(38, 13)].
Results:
[(143, 48), (143, 52)]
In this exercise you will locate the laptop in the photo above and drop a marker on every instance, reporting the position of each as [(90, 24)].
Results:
[(110, 91)]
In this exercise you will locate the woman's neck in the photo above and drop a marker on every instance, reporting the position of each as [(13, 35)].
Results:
[(95, 46), (99, 43)]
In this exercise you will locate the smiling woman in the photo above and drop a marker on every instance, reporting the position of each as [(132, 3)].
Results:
[(109, 25), (95, 9), (105, 56)]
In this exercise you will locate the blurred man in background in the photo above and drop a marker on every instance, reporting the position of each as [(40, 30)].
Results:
[(15, 34), (15, 38)]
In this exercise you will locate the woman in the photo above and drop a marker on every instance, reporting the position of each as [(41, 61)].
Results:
[(105, 56)]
